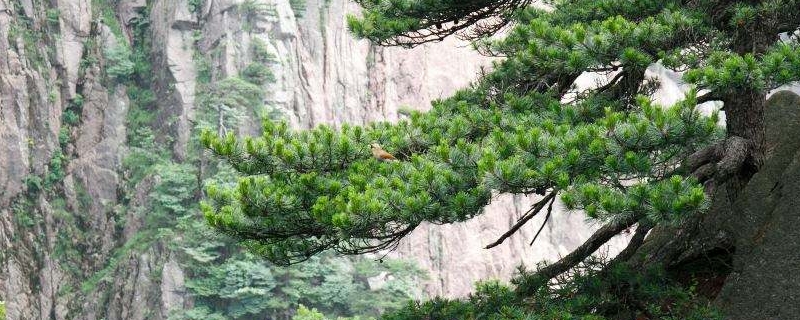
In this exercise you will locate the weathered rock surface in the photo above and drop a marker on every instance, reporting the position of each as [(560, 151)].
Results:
[(765, 278), (43, 68)]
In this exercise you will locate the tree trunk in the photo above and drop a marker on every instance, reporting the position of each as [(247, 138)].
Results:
[(744, 117)]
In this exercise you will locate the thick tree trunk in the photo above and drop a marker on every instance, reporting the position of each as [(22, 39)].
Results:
[(744, 117)]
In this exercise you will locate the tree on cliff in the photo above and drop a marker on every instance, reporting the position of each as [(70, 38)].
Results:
[(525, 128)]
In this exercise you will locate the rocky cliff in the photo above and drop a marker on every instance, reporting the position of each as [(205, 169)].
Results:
[(78, 78)]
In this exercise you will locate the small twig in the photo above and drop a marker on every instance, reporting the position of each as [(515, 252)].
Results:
[(546, 218), (525, 218)]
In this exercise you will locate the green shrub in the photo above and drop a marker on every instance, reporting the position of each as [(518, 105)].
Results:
[(63, 136), (260, 52), (52, 96), (248, 287), (176, 188), (253, 11), (195, 5), (228, 100), (258, 73), (53, 15), (70, 117), (304, 313), (78, 101), (299, 7), (56, 171), (119, 66), (33, 183)]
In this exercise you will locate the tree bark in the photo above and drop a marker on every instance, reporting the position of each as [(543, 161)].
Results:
[(744, 117)]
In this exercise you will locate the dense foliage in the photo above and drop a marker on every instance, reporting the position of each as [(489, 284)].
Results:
[(526, 128), (232, 284)]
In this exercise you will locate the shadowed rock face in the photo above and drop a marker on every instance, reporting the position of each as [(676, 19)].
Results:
[(765, 278)]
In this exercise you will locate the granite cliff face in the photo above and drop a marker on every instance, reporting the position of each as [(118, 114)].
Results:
[(70, 216)]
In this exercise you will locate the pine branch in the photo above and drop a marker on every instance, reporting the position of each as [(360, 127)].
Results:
[(469, 20), (599, 238), (636, 241), (708, 97)]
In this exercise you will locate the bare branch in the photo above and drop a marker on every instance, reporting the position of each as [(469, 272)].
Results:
[(611, 82), (537, 207), (546, 218)]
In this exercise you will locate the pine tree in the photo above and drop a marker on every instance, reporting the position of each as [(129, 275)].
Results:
[(525, 128)]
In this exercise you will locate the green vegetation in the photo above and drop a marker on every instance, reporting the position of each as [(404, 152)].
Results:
[(161, 193), (260, 52), (53, 15), (195, 5), (299, 7), (226, 102), (587, 291), (241, 286), (253, 11), (258, 74), (526, 128), (120, 66), (104, 10), (227, 282), (31, 37), (56, 169)]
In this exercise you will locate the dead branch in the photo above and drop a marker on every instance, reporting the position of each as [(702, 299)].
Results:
[(537, 207), (546, 218)]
